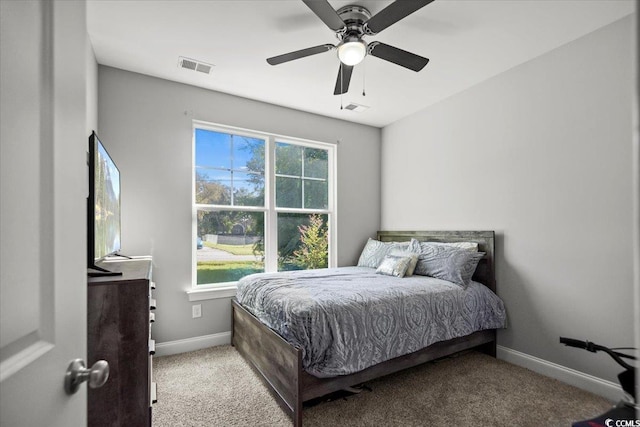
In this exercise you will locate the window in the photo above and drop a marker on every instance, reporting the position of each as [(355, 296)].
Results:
[(261, 203)]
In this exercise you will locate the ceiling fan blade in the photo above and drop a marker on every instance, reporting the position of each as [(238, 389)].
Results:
[(326, 13), (393, 13), (275, 60), (344, 77), (397, 56)]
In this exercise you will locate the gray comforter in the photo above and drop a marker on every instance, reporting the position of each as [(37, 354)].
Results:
[(347, 319)]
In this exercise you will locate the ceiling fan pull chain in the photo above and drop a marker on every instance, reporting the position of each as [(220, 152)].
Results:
[(364, 74), (341, 86)]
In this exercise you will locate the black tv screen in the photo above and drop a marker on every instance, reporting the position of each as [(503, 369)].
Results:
[(104, 203)]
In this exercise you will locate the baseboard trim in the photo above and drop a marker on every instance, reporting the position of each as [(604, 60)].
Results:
[(604, 388), (190, 344)]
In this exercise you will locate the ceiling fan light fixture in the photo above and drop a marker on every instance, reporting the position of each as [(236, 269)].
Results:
[(352, 52)]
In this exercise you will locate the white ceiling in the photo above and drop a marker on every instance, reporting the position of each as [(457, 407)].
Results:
[(466, 41)]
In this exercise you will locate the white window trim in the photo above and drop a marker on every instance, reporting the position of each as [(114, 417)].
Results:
[(212, 292), (228, 289)]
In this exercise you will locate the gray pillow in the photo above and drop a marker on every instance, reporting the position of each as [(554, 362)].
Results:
[(448, 263), (375, 251), (415, 245), (393, 265)]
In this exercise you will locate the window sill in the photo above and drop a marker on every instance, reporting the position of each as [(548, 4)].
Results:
[(212, 293)]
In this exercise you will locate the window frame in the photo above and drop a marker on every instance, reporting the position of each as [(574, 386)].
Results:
[(227, 289)]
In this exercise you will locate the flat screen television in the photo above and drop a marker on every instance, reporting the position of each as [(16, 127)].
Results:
[(103, 207)]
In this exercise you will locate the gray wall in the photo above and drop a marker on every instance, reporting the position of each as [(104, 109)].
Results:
[(542, 155), (92, 89), (145, 124)]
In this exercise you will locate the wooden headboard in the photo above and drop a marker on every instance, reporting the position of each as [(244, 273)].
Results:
[(485, 273)]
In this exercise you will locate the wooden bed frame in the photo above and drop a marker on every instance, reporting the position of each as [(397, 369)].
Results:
[(279, 364)]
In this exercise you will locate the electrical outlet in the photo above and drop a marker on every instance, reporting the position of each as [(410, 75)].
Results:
[(196, 310)]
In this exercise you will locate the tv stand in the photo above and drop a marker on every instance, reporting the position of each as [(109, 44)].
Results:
[(100, 272), (117, 254)]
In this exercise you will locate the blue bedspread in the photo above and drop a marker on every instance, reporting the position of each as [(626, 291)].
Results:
[(347, 319)]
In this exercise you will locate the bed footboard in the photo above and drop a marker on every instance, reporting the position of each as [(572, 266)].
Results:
[(278, 363)]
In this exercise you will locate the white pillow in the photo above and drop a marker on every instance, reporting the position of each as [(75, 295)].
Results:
[(413, 256), (392, 265)]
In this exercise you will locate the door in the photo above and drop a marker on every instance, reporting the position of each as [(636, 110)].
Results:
[(43, 210)]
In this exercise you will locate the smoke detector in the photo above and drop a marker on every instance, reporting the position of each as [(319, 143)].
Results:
[(194, 65), (356, 107)]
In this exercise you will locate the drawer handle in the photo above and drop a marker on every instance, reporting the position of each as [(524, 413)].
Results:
[(152, 347), (153, 285), (152, 304), (154, 393), (152, 317)]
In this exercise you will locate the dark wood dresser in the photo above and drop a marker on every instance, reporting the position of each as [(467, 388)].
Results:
[(120, 314)]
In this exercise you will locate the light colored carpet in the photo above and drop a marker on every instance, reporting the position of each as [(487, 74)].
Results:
[(216, 387)]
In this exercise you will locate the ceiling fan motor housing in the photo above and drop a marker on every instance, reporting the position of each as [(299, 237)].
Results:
[(354, 18), (352, 49)]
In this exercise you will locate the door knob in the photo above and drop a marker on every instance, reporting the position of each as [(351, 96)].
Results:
[(77, 373)]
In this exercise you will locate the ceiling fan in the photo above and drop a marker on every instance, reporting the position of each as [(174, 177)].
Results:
[(351, 24)]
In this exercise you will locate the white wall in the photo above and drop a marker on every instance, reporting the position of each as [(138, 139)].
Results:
[(542, 155), (145, 123)]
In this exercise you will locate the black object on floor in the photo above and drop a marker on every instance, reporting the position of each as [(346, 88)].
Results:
[(336, 395)]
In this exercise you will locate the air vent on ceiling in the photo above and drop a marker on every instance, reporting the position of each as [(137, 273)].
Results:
[(192, 64), (356, 107)]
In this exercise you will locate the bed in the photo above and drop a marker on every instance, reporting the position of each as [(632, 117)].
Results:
[(283, 366)]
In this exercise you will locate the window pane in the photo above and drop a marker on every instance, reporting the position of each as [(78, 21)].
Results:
[(288, 192), (288, 159), (248, 154), (213, 187), (302, 241), (315, 194), (231, 246), (229, 169), (315, 163), (248, 189), (213, 149)]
